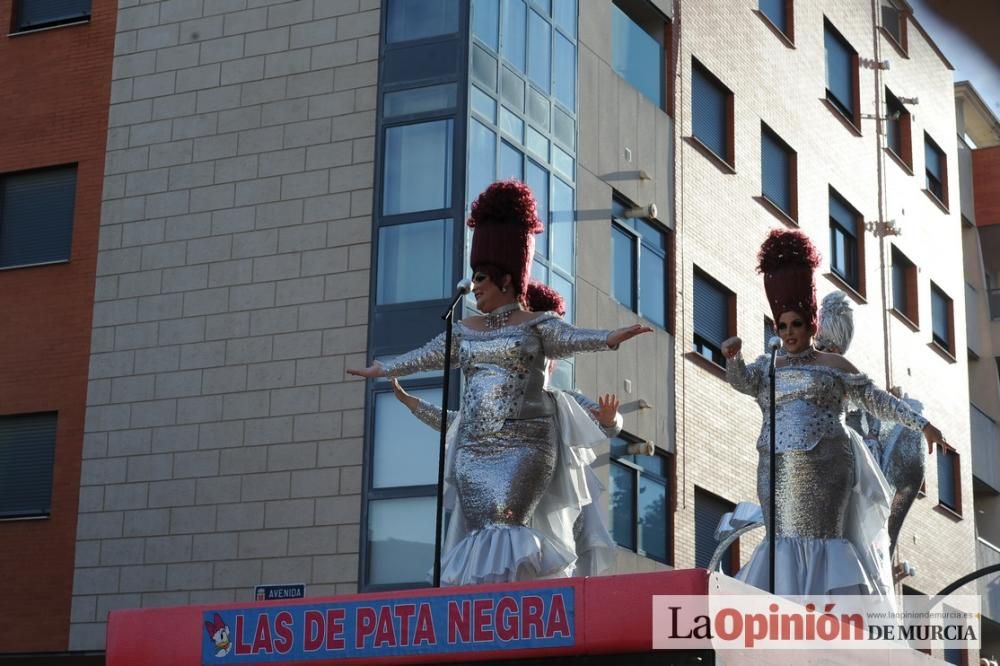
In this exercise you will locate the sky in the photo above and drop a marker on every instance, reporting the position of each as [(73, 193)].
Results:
[(969, 61)]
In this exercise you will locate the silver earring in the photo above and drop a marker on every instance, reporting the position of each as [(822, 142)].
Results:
[(503, 290)]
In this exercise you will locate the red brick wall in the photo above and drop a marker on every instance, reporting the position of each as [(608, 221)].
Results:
[(56, 88), (986, 185)]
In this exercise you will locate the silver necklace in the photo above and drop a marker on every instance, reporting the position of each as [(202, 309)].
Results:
[(498, 318), (804, 357)]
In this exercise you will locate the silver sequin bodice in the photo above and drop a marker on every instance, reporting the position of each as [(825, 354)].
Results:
[(810, 401), (504, 369)]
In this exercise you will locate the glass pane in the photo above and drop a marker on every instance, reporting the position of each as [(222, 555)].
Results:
[(400, 540), (482, 158), (839, 251), (538, 108), (417, 19), (539, 51), (511, 162), (838, 71), (417, 167), (708, 112), (651, 234), (562, 161), (512, 89), (565, 289), (653, 517), (34, 14), (486, 21), (652, 286), (563, 226), (636, 56), (775, 172), (484, 67), (537, 179), (623, 267), (414, 262), (939, 316), (404, 450), (483, 104), (621, 504), (538, 144), (932, 158), (899, 287), (564, 72), (512, 42), (419, 100), (511, 124), (946, 478), (892, 21), (564, 15), (774, 10), (843, 214), (564, 127), (562, 375)]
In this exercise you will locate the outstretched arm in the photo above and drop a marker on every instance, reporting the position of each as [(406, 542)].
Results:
[(562, 340), (428, 357), (888, 407)]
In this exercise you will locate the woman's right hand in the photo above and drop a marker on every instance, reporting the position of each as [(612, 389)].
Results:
[(403, 396), (732, 347), (373, 371)]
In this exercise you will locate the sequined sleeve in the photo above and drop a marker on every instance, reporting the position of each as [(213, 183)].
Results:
[(562, 340), (745, 378), (431, 414), (588, 405), (428, 357), (884, 405)]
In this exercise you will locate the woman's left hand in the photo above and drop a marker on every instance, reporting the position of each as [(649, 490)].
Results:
[(620, 335), (606, 410), (933, 436)]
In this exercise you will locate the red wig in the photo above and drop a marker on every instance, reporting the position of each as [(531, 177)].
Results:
[(505, 220), (543, 298), (787, 260)]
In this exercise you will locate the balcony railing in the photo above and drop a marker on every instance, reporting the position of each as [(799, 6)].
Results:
[(989, 586)]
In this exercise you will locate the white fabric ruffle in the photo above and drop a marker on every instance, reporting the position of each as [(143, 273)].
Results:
[(503, 553), (808, 567)]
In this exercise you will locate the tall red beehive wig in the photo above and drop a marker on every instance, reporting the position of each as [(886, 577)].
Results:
[(505, 221), (543, 298), (787, 259)]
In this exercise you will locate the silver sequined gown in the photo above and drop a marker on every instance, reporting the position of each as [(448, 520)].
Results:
[(815, 473), (507, 447)]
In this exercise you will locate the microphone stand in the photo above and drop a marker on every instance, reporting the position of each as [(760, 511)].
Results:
[(449, 319), (770, 527)]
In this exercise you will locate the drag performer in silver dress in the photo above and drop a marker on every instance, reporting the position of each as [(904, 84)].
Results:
[(817, 549), (508, 439)]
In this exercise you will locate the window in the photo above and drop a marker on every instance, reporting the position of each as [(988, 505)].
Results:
[(27, 452), (949, 477), (942, 320), (778, 172), (842, 83), (897, 129), (36, 216), (639, 502), (539, 50), (638, 33), (486, 21), (894, 16), (779, 13), (513, 43), (415, 262), (32, 14), (714, 317), (417, 167), (904, 286), (407, 20), (712, 113), (846, 243), (639, 265), (404, 457), (708, 511), (419, 100), (936, 167)]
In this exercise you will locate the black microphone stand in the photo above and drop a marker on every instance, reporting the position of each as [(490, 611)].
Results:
[(449, 321), (770, 527)]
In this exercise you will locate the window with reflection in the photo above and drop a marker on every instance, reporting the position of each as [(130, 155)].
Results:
[(639, 265), (712, 119), (400, 541), (936, 169), (942, 319), (638, 32), (639, 503), (778, 172), (845, 236), (514, 31), (417, 167), (407, 20), (415, 262), (841, 73), (713, 306)]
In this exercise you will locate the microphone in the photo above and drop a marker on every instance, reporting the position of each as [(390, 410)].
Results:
[(774, 343), (464, 286)]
